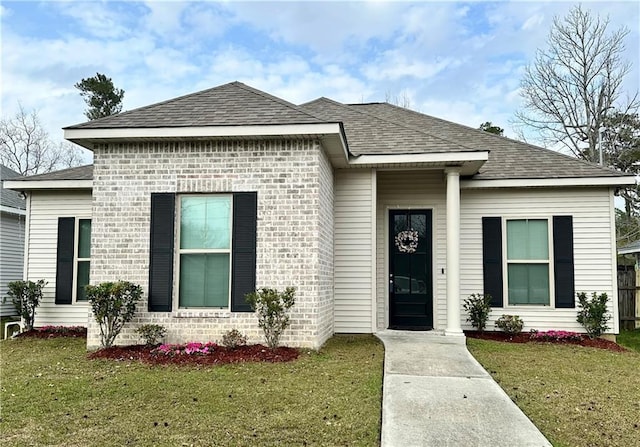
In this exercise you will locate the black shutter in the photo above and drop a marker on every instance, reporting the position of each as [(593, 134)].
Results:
[(161, 252), (243, 271), (563, 261), (492, 259), (64, 260)]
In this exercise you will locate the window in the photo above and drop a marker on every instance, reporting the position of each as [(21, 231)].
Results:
[(204, 251), (528, 263), (72, 259), (83, 255)]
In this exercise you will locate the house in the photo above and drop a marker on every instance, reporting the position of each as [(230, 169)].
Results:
[(12, 217), (381, 217)]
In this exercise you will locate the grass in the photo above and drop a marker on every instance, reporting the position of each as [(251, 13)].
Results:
[(630, 339), (51, 394), (576, 396)]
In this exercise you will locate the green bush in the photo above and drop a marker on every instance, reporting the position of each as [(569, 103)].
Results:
[(152, 333), (511, 324), (113, 304), (26, 296), (272, 307), (233, 338), (593, 313), (478, 306)]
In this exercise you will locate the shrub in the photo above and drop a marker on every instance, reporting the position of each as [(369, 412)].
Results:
[(113, 304), (271, 307), (593, 313), (26, 296), (233, 338), (478, 306), (511, 324), (152, 333)]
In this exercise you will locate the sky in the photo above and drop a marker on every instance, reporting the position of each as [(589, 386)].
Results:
[(461, 61)]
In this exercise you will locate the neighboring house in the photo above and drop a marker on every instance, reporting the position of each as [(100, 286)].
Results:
[(381, 217), (12, 217)]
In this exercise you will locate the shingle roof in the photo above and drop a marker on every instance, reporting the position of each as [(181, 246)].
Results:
[(508, 159), (9, 198), (79, 173), (233, 104), (368, 134), (370, 129)]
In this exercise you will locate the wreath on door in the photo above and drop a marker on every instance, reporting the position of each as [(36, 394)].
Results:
[(407, 241)]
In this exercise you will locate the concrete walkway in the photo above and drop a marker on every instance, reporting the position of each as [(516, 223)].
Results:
[(436, 394)]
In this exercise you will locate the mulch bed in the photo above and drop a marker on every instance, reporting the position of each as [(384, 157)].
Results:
[(221, 355), (524, 337), (55, 332)]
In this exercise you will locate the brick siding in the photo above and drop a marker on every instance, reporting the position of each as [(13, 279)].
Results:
[(294, 182)]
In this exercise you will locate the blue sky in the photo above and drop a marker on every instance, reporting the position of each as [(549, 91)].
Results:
[(460, 61)]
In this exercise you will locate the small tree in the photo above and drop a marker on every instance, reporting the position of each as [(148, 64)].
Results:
[(26, 296), (478, 306), (102, 97), (488, 126), (113, 304), (593, 314), (272, 307)]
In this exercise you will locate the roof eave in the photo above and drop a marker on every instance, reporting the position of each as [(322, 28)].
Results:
[(468, 162), (27, 185), (612, 181), (88, 137)]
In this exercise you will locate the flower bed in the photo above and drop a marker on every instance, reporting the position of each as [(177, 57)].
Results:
[(560, 337), (56, 331), (195, 354)]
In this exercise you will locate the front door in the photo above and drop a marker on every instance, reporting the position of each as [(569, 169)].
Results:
[(410, 270)]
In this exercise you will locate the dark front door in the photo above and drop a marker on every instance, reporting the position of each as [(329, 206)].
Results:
[(410, 270)]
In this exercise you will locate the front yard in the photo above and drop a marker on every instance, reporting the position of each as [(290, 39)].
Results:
[(51, 394), (577, 396)]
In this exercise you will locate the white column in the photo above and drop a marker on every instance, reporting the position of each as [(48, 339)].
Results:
[(453, 252)]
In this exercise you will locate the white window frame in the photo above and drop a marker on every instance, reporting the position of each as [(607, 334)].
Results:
[(77, 259), (506, 262), (179, 251)]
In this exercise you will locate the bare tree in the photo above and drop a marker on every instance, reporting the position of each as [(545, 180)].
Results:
[(402, 100), (573, 84), (26, 148)]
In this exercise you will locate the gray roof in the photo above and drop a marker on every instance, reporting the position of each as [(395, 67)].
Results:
[(9, 198), (632, 248), (508, 159), (79, 173), (369, 134), (375, 128), (233, 104)]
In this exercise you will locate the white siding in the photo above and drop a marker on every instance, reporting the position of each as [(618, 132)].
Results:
[(354, 204), (11, 256), (412, 189), (45, 208), (594, 258)]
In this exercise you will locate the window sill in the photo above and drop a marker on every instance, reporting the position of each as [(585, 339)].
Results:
[(203, 313)]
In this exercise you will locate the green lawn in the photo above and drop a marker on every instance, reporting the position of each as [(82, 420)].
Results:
[(52, 395), (630, 339), (576, 396)]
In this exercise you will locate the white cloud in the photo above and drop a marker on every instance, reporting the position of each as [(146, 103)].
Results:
[(95, 18)]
